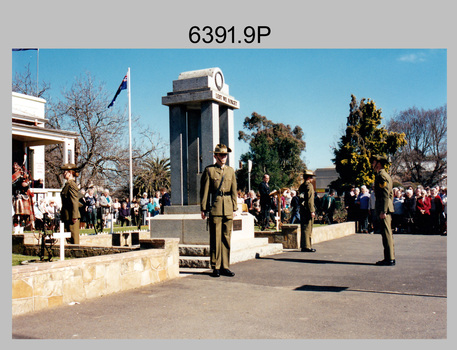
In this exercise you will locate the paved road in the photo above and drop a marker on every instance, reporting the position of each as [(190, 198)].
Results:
[(335, 293)]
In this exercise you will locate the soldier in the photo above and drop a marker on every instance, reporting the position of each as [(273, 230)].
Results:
[(218, 204), (69, 213), (384, 208), (307, 211)]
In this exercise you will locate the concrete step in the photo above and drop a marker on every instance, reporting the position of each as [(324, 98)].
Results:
[(193, 250), (197, 256), (194, 262)]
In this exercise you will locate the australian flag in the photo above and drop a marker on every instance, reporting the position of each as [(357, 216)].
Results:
[(123, 86)]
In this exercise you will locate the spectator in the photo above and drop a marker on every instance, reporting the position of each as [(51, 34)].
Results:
[(124, 215), (372, 212), (254, 206), (135, 213), (349, 203), (39, 210), (436, 211), (357, 209), (156, 201), (116, 207), (239, 201), (295, 208), (165, 200), (104, 206), (265, 202), (143, 206), (444, 199), (409, 211), (423, 206), (91, 210), (82, 208), (329, 207), (397, 215), (364, 206)]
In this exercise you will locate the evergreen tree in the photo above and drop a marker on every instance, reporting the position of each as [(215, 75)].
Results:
[(363, 138), (274, 149)]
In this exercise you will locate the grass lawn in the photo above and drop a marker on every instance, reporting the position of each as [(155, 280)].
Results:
[(116, 228), (18, 258)]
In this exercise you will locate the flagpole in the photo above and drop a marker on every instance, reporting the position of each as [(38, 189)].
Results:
[(130, 137), (37, 69)]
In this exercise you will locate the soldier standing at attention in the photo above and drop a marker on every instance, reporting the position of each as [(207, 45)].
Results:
[(219, 201), (69, 213), (307, 211), (384, 207)]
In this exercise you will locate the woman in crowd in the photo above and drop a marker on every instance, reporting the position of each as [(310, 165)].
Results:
[(423, 206)]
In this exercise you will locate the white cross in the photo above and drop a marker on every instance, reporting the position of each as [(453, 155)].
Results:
[(110, 222), (62, 235), (149, 218), (277, 219)]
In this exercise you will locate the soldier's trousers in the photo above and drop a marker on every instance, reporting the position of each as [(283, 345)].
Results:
[(74, 229), (306, 227), (220, 231), (385, 228)]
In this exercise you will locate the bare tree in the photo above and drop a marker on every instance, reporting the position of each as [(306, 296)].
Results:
[(424, 159), (102, 151), (25, 84)]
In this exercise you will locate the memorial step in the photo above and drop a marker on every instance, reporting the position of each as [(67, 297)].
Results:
[(194, 262), (193, 250)]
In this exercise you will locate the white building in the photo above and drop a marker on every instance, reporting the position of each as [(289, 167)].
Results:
[(29, 137)]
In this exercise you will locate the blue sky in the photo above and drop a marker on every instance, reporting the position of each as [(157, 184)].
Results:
[(307, 87)]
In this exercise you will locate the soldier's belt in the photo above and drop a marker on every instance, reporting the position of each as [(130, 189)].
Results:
[(220, 193)]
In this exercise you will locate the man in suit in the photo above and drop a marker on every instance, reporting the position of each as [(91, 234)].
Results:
[(265, 201), (218, 195), (69, 195), (384, 208), (307, 211)]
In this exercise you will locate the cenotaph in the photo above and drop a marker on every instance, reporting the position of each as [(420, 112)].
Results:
[(201, 116)]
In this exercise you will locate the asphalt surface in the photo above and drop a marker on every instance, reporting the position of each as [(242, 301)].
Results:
[(335, 293)]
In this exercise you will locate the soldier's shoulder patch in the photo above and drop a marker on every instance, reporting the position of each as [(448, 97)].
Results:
[(382, 184)]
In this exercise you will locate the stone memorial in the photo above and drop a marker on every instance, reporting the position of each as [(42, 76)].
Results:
[(201, 115)]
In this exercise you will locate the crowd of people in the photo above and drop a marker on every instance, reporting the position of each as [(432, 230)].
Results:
[(95, 209), (264, 204), (422, 210)]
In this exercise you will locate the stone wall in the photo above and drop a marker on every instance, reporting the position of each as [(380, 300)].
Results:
[(39, 286), (290, 235)]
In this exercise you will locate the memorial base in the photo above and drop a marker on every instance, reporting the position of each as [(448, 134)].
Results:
[(191, 229)]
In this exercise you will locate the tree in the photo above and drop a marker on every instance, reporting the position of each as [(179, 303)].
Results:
[(102, 148), (154, 173), (424, 158), (274, 149), (25, 84), (364, 137)]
